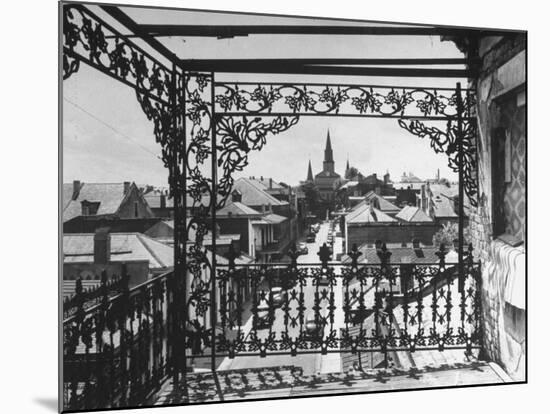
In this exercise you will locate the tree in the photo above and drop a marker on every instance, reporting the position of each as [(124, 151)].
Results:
[(352, 172), (448, 234), (312, 195)]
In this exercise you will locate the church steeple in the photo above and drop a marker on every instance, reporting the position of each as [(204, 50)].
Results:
[(328, 149), (328, 163), (309, 173)]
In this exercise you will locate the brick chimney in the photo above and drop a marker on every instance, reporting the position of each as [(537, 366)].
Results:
[(76, 189), (126, 187), (102, 246), (416, 243), (162, 201)]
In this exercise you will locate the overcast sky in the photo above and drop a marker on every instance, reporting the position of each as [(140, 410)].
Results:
[(107, 138)]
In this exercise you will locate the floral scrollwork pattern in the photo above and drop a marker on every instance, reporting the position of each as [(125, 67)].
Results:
[(236, 137), (335, 99), (446, 141)]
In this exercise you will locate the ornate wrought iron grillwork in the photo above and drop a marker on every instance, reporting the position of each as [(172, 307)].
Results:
[(206, 131), (116, 353), (384, 307), (324, 99)]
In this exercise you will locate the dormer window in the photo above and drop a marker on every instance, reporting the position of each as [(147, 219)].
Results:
[(89, 208)]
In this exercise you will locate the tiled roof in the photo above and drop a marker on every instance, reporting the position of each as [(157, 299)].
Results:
[(413, 215), (79, 247), (237, 209), (384, 204), (109, 196), (254, 194), (368, 214)]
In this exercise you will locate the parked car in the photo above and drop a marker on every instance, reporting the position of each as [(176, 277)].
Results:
[(324, 280), (277, 297), (264, 317), (314, 327), (310, 238)]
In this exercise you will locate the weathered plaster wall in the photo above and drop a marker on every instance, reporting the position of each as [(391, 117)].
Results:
[(503, 267)]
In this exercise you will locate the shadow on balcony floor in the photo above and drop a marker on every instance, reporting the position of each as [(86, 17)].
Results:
[(289, 381)]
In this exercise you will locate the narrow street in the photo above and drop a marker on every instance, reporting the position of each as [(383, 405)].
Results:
[(310, 363)]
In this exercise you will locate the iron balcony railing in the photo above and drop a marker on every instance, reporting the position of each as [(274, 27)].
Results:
[(330, 307), (119, 348), (117, 352)]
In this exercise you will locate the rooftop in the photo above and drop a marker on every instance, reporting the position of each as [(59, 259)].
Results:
[(254, 194), (125, 247), (413, 214), (368, 214), (109, 196), (237, 209), (423, 254), (383, 204)]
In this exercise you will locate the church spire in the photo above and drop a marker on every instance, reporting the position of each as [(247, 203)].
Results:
[(309, 173), (328, 163), (328, 149)]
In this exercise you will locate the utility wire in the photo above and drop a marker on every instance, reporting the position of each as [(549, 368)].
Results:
[(116, 131)]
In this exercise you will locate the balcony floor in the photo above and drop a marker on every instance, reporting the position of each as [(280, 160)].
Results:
[(289, 381)]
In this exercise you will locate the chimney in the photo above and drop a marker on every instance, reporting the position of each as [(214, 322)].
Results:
[(162, 201), (263, 208), (377, 190), (271, 183), (416, 244), (76, 189), (269, 208), (102, 246), (126, 187), (261, 178), (378, 244)]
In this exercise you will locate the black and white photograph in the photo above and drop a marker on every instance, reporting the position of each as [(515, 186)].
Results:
[(262, 206)]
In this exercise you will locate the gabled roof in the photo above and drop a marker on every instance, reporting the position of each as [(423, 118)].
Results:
[(368, 214), (109, 196), (385, 205), (413, 214), (238, 209), (254, 194), (125, 247)]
